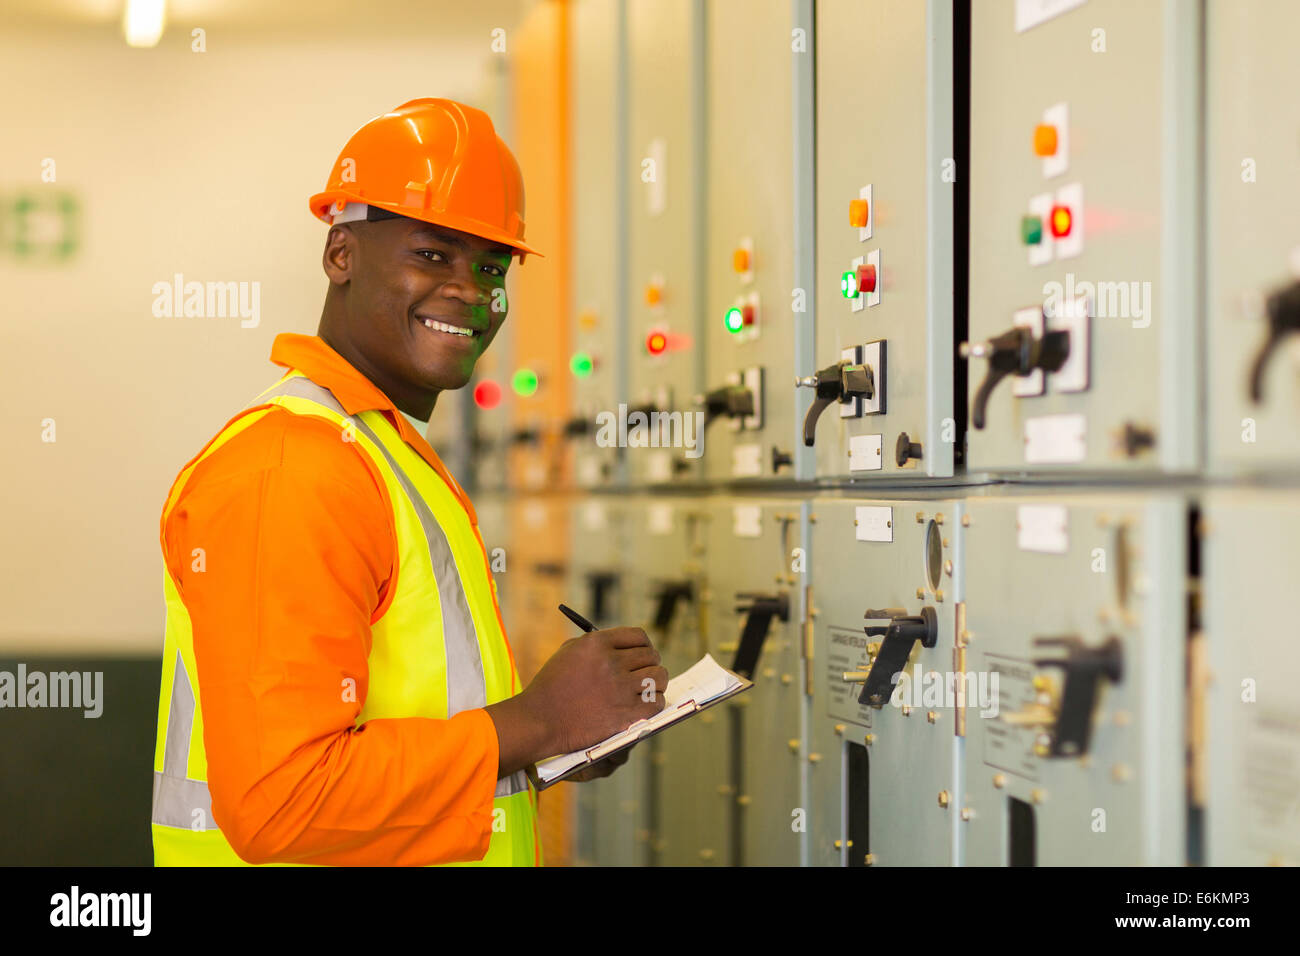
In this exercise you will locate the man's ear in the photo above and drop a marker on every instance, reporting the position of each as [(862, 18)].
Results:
[(340, 254)]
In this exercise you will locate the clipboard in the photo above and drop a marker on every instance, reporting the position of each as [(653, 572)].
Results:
[(598, 752)]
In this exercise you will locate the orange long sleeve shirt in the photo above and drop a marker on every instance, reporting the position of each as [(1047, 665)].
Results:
[(299, 549)]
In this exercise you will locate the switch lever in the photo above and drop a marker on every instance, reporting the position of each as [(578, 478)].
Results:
[(1084, 669), (841, 382), (666, 598), (900, 636), (734, 401), (1283, 319), (1015, 352), (759, 609)]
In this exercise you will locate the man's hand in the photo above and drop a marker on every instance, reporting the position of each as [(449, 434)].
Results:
[(602, 768), (592, 687)]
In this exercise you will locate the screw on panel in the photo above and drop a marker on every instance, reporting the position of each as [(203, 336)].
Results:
[(931, 717), (938, 596), (965, 813), (999, 781), (839, 730), (706, 854), (920, 517), (1122, 718), (943, 799), (1120, 773), (947, 567), (814, 758), (938, 518), (1038, 795), (920, 593), (907, 710), (869, 859), (965, 521), (786, 678), (869, 739), (744, 799), (794, 744)]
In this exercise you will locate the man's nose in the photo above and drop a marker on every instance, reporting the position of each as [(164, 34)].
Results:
[(463, 284)]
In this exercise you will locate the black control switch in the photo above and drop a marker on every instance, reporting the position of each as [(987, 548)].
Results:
[(1084, 669), (839, 383), (733, 401), (1015, 352), (759, 609), (899, 636), (1283, 320)]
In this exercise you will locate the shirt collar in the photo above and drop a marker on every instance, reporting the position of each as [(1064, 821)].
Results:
[(311, 355)]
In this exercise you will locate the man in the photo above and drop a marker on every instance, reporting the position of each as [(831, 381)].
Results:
[(337, 685)]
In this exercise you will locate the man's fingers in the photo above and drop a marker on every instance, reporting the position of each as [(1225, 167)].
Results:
[(636, 658), (621, 637)]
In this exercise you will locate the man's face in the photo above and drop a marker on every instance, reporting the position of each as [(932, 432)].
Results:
[(407, 283)]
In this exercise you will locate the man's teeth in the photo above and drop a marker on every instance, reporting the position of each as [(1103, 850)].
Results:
[(444, 327)]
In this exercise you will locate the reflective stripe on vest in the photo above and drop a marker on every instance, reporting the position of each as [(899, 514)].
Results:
[(176, 797)]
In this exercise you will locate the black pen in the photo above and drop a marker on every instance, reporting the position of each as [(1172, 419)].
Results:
[(577, 618)]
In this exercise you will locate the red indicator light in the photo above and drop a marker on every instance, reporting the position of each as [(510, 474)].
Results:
[(656, 343), (1061, 220), (867, 278), (487, 394)]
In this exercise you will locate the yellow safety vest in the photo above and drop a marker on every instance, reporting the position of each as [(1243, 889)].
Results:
[(434, 654)]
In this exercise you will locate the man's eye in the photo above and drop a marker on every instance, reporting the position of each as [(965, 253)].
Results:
[(431, 252), (496, 271)]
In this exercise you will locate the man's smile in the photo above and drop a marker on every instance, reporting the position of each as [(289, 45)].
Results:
[(450, 329)]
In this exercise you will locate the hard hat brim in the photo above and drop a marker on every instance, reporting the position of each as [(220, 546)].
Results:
[(321, 202)]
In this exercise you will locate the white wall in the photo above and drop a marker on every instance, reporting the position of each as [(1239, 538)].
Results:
[(197, 163)]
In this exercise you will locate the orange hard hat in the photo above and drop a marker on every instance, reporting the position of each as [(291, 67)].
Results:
[(435, 160)]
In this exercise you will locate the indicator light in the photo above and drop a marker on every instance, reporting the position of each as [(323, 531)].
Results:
[(581, 364), (740, 260), (849, 285), (1031, 230), (1044, 140), (867, 277), (734, 320), (1061, 221), (487, 394), (747, 314), (653, 294), (524, 382), (859, 213), (655, 343)]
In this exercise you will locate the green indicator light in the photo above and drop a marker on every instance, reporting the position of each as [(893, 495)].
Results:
[(849, 285), (581, 364), (524, 382), (734, 320), (1031, 230)]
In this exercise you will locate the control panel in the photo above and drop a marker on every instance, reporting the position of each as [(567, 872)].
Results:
[(1075, 618), (1083, 346), (887, 179), (889, 682), (1252, 243), (666, 257)]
